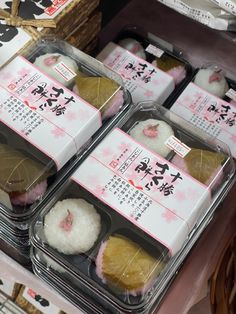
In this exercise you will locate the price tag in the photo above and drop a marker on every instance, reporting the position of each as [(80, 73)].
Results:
[(157, 52)]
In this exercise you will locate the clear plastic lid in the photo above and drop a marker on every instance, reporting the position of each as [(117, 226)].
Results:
[(54, 99), (50, 271), (209, 102), (133, 206), (149, 71)]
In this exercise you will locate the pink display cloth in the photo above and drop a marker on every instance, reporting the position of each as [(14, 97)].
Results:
[(12, 271)]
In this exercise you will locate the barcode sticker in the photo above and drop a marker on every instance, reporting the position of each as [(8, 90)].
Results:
[(180, 148), (157, 52), (64, 71)]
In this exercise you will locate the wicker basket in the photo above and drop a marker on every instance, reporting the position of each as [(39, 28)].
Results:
[(87, 32), (223, 282)]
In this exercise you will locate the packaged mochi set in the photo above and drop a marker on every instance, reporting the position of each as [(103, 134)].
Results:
[(209, 102), (117, 231), (151, 72), (55, 101)]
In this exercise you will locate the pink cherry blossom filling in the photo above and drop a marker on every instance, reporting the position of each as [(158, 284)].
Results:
[(151, 131), (67, 222), (135, 48), (215, 77), (51, 60)]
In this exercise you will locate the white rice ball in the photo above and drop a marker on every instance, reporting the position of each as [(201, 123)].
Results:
[(217, 87), (72, 226), (133, 46), (49, 61), (153, 140)]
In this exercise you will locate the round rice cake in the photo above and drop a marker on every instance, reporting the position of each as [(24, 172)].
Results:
[(153, 133), (72, 226), (212, 81), (49, 61)]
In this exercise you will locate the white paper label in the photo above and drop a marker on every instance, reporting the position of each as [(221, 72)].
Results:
[(228, 5), (157, 52), (66, 73), (199, 11), (7, 286), (12, 39), (211, 114), (144, 188), (179, 147), (39, 9), (231, 93), (142, 79), (40, 302), (45, 113)]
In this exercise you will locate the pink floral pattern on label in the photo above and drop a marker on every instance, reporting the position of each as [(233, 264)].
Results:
[(211, 114), (144, 188), (140, 77), (45, 113)]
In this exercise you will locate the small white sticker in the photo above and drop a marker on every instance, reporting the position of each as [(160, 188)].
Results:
[(157, 52), (7, 286), (231, 93), (180, 148), (64, 71), (40, 302)]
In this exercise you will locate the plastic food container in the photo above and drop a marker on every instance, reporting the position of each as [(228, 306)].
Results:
[(209, 102), (150, 70), (153, 184), (17, 251), (46, 127), (68, 287)]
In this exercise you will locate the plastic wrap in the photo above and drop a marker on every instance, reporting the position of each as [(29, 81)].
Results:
[(209, 102), (150, 71), (207, 12), (40, 136)]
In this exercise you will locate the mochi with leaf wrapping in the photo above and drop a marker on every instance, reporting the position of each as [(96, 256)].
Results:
[(101, 92), (126, 267), (171, 66), (23, 178)]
